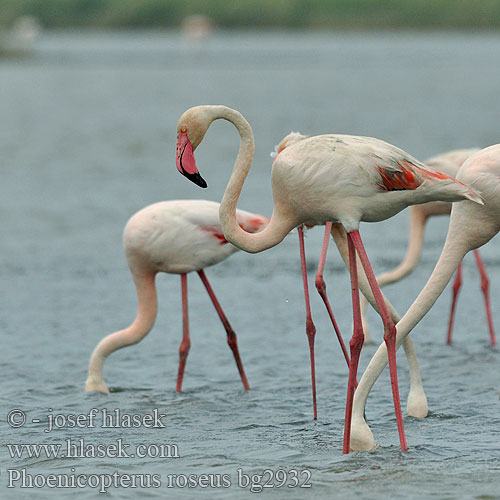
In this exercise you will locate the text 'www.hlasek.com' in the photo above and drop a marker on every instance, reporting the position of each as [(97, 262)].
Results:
[(78, 448)]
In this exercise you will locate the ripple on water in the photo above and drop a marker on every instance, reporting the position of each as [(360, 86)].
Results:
[(65, 281)]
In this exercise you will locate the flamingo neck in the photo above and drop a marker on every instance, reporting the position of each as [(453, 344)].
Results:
[(278, 227), (143, 323), (448, 262), (471, 226)]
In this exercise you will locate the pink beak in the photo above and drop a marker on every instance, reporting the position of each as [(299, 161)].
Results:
[(185, 161)]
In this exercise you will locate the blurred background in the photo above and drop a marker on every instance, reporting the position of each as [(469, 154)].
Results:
[(297, 14), (90, 95)]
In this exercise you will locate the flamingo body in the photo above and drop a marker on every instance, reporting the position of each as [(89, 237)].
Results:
[(349, 179), (181, 236), (177, 237)]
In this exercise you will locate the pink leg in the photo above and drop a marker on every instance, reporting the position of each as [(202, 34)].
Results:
[(457, 284), (389, 331), (231, 336), (310, 328), (485, 287), (355, 344), (321, 287), (186, 342)]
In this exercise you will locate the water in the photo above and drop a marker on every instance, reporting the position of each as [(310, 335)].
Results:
[(87, 137)]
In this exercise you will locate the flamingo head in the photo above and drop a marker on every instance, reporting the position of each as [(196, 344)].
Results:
[(191, 129)]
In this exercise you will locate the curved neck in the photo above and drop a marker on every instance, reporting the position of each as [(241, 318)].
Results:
[(143, 323), (279, 225)]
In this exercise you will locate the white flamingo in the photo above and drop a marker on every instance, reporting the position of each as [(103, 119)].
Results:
[(449, 163), (326, 178), (176, 237), (417, 400), (471, 226)]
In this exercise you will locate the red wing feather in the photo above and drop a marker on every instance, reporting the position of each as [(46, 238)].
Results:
[(399, 180), (409, 177)]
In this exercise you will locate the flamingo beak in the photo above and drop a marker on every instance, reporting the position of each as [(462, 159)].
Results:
[(185, 161)]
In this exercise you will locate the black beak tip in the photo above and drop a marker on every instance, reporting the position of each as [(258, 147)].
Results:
[(196, 178), (199, 180)]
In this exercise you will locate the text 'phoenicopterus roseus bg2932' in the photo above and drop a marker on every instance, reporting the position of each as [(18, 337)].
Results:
[(177, 237), (471, 226), (449, 163), (341, 178)]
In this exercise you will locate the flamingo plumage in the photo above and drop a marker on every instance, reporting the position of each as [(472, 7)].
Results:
[(471, 226), (176, 237), (449, 163), (327, 178)]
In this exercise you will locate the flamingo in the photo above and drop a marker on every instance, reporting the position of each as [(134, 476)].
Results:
[(471, 226), (176, 237), (417, 401), (449, 163), (327, 178)]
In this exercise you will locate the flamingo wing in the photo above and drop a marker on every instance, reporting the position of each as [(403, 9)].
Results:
[(405, 173)]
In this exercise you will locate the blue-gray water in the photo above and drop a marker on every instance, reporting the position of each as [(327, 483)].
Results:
[(87, 137)]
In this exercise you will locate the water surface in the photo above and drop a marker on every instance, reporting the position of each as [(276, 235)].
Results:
[(87, 137)]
